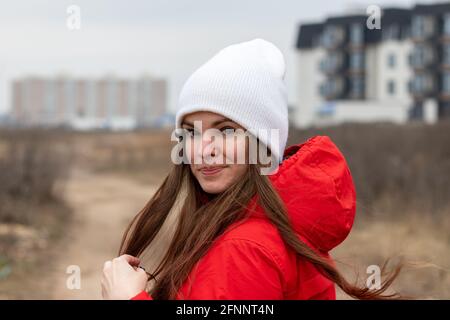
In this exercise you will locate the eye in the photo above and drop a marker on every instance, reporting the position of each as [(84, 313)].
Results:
[(227, 130), (191, 132)]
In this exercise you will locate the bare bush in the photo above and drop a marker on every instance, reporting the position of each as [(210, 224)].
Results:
[(395, 168), (33, 165)]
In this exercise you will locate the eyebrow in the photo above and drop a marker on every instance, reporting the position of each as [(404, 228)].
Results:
[(215, 123)]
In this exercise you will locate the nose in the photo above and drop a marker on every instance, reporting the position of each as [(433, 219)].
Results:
[(208, 148)]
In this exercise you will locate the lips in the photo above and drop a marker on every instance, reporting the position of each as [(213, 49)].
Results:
[(209, 171)]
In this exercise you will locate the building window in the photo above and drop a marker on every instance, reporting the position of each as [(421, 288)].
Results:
[(327, 88), (332, 62), (418, 84), (50, 96), (447, 24), (322, 65), (70, 98), (357, 87), (418, 57), (446, 54), (391, 87), (331, 87), (326, 110), (416, 112), (422, 84), (356, 34), (405, 32), (357, 60), (422, 26), (417, 26), (391, 60), (410, 59), (422, 56), (391, 32), (332, 36), (446, 83)]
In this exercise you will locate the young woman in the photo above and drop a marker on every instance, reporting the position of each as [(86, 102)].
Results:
[(239, 233)]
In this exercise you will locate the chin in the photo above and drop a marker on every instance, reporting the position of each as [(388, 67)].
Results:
[(212, 188)]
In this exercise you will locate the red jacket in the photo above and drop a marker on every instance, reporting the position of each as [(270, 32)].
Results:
[(251, 261)]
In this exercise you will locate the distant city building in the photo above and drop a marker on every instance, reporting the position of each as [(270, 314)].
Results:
[(85, 104), (350, 73)]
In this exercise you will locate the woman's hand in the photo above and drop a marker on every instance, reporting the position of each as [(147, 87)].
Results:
[(122, 279)]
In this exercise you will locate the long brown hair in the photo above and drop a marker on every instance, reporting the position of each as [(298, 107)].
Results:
[(201, 222)]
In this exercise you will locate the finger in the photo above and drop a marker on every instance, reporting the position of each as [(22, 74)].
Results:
[(133, 261), (141, 271), (107, 265), (103, 292), (143, 274), (104, 279)]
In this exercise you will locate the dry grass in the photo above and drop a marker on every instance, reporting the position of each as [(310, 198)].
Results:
[(401, 176), (420, 241), (33, 168), (142, 155), (395, 168), (402, 183)]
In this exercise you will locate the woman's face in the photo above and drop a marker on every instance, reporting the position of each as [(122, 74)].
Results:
[(214, 149)]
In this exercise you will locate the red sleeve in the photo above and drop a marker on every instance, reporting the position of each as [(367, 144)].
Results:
[(143, 295), (237, 269)]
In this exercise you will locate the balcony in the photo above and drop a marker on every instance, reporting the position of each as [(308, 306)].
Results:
[(356, 35), (423, 84), (332, 88), (332, 63), (445, 60), (356, 87), (356, 62), (423, 56), (333, 37), (445, 85), (423, 27), (446, 27)]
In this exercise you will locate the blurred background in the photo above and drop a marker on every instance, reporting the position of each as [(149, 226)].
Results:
[(88, 91)]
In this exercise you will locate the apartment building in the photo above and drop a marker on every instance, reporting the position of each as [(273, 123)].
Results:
[(349, 72), (84, 104), (430, 33)]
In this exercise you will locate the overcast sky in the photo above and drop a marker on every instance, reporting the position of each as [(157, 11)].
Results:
[(165, 38)]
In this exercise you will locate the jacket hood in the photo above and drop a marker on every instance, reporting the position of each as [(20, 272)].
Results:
[(316, 185)]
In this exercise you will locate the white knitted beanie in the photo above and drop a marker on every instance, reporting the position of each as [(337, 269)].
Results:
[(245, 83)]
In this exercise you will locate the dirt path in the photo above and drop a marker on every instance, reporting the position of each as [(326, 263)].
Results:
[(102, 205)]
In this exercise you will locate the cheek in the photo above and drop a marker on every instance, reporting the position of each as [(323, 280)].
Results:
[(189, 149), (231, 175), (236, 151), (235, 173)]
